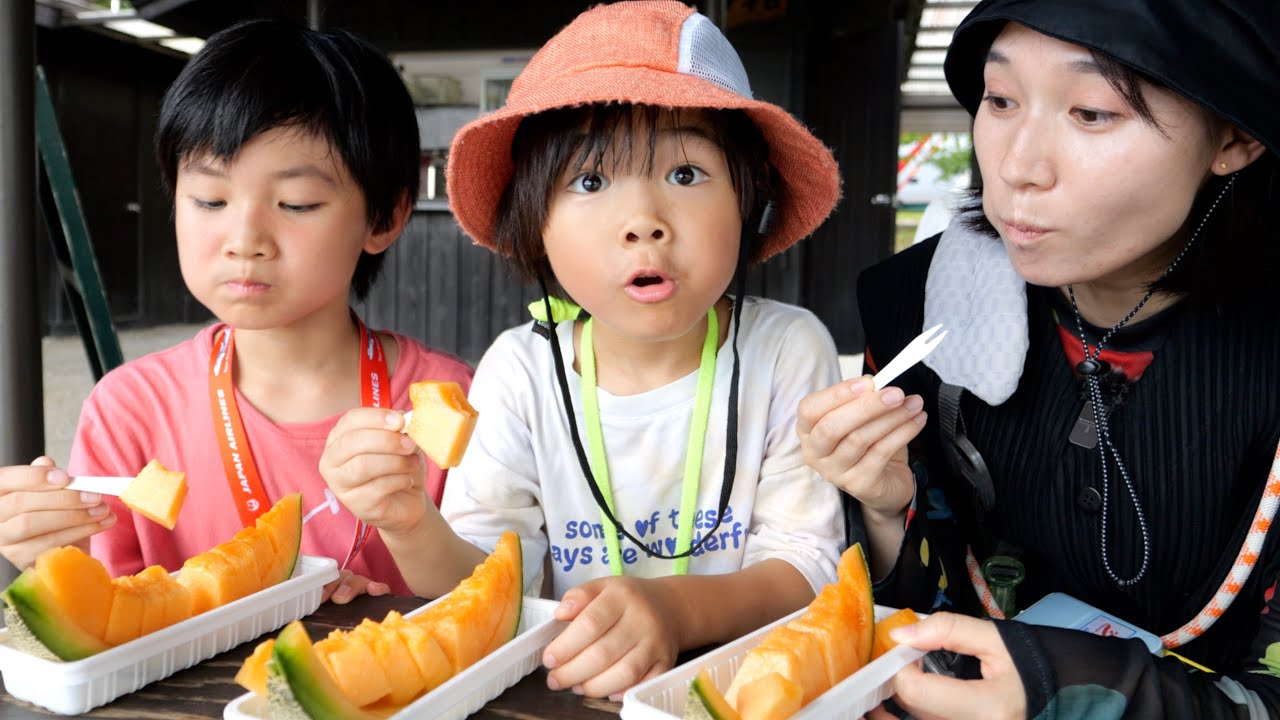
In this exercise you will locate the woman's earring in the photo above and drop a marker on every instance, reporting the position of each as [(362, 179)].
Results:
[(1222, 165)]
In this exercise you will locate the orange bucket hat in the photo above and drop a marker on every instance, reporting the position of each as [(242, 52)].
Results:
[(644, 52)]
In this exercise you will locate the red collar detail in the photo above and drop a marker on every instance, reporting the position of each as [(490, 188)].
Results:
[(1133, 364)]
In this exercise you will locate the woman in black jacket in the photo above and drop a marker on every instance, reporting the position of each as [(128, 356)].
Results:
[(1102, 419)]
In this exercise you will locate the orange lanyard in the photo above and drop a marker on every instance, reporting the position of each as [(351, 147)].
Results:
[(237, 460)]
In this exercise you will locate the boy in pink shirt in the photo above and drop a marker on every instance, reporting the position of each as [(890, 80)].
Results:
[(293, 159)]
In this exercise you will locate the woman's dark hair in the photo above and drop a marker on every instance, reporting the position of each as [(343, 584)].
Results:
[(547, 143), (1239, 248), (265, 74)]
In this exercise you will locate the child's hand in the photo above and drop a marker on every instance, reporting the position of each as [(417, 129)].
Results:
[(857, 438), (349, 585), (621, 631), (375, 470), (37, 514)]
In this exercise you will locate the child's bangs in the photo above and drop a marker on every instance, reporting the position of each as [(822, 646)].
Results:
[(217, 120), (620, 137), (258, 78)]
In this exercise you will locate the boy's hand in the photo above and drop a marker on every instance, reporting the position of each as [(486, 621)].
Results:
[(621, 631), (375, 470), (856, 438), (349, 585), (37, 514)]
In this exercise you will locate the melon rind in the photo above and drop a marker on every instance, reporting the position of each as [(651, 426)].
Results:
[(299, 687), (38, 627)]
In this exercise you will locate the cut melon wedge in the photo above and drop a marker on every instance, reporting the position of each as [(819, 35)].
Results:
[(38, 624), (770, 697), (442, 421), (884, 643), (157, 493), (299, 686), (282, 525), (252, 676), (80, 584)]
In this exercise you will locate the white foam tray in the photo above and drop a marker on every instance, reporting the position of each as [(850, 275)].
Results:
[(470, 689), (71, 688), (663, 697)]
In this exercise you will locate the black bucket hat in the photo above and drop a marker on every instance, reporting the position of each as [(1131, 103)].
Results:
[(1222, 54)]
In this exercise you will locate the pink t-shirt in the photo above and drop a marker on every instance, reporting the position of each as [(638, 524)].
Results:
[(158, 407)]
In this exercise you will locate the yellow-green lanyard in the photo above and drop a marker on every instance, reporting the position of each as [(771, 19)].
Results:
[(693, 454)]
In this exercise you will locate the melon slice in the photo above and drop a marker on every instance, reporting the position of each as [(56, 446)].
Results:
[(263, 552), (167, 600), (352, 664), (152, 582), (510, 562), (770, 697), (39, 625), (157, 493), (432, 664), (298, 685), (80, 584), (252, 676), (282, 525), (884, 643), (442, 421), (210, 579), (393, 656), (127, 607)]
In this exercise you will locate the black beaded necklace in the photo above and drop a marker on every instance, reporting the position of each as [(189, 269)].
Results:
[(1092, 368)]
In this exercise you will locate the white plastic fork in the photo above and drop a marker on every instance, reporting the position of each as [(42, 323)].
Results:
[(913, 353)]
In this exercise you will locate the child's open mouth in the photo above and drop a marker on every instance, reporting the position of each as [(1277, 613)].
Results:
[(648, 287)]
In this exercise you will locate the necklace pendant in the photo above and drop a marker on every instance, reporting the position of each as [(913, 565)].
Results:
[(1085, 432), (1093, 366)]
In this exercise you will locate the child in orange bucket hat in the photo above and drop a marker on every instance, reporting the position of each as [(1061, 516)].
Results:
[(632, 169)]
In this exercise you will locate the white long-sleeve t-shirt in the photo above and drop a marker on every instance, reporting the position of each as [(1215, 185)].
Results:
[(521, 472)]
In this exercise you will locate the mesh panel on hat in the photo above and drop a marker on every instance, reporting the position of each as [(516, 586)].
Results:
[(706, 53)]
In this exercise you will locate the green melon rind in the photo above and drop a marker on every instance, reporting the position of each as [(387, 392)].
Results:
[(38, 627), (296, 537), (702, 704), (299, 687), (509, 625), (297, 547)]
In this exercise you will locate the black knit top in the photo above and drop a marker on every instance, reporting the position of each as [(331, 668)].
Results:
[(1198, 432)]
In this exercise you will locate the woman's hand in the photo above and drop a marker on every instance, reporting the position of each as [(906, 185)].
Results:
[(349, 585), (36, 513), (999, 694), (375, 470), (621, 631), (856, 438)]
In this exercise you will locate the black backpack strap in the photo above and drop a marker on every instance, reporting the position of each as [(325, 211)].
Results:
[(961, 455)]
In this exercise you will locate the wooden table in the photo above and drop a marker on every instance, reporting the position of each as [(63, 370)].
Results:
[(204, 690)]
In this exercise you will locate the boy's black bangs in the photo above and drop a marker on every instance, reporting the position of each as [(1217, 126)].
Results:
[(307, 83), (215, 110)]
